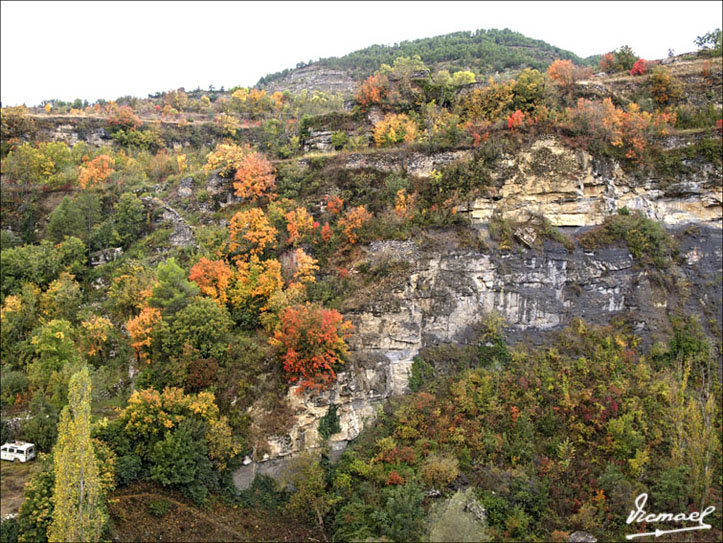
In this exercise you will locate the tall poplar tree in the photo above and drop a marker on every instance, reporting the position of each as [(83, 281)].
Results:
[(78, 513)]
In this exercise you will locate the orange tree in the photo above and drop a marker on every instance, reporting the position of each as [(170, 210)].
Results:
[(372, 91), (212, 277), (313, 342), (96, 171), (254, 177)]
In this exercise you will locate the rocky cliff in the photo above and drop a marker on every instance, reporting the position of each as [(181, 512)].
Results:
[(443, 289)]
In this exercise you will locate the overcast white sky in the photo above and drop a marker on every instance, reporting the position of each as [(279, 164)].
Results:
[(94, 50)]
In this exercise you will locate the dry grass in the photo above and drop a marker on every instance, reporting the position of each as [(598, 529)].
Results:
[(131, 520), (13, 476)]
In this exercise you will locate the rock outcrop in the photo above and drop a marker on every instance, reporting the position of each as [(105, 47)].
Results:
[(570, 189)]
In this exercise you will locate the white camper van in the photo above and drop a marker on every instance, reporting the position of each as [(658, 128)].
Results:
[(18, 450)]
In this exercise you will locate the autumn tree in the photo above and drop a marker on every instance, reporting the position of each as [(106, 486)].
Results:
[(352, 221), (372, 91), (250, 232), (299, 223), (561, 72), (312, 341), (130, 289), (96, 171), (124, 117), (149, 414), (213, 277), (95, 334), (254, 177), (305, 267), (393, 129), (140, 329), (255, 283), (489, 103), (226, 158), (77, 497)]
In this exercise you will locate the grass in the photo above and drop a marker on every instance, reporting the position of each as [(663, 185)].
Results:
[(144, 512), (13, 476)]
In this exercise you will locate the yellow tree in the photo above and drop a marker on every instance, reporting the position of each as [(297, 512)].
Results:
[(251, 232), (77, 497)]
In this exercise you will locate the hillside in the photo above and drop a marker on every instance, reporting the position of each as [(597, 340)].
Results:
[(446, 309), (482, 52)]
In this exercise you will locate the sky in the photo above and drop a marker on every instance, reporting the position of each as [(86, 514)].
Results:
[(92, 50)]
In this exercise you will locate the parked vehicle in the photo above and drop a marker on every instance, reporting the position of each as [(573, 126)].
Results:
[(18, 450)]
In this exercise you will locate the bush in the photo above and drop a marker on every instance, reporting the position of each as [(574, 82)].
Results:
[(646, 239), (394, 129), (9, 530), (439, 471), (159, 507), (127, 469), (14, 383), (329, 423)]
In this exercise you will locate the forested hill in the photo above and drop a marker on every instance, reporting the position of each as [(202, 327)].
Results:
[(482, 51)]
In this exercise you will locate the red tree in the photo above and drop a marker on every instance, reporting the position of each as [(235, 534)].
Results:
[(312, 340)]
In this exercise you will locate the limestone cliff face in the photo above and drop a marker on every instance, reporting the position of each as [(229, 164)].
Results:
[(314, 78), (570, 189), (446, 293)]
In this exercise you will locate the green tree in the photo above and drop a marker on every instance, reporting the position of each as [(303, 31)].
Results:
[(625, 58), (78, 513), (401, 517), (36, 512), (711, 40), (74, 217), (55, 356), (130, 218), (174, 291), (311, 501), (202, 324)]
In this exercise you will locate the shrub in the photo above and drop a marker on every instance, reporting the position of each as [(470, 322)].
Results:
[(663, 87), (329, 423), (159, 507), (439, 471), (646, 239), (639, 68)]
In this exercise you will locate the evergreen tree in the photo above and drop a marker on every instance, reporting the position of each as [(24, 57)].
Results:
[(78, 512)]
